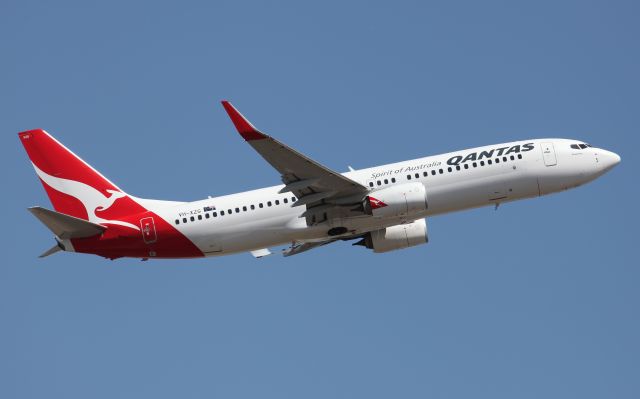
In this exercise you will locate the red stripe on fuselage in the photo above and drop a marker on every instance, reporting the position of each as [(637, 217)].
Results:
[(52, 158), (119, 241)]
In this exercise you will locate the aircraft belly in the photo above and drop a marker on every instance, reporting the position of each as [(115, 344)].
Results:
[(256, 234)]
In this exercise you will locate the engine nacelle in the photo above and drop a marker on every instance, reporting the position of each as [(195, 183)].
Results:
[(400, 200), (396, 237)]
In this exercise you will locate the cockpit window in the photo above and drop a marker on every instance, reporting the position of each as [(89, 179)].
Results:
[(575, 146), (580, 146)]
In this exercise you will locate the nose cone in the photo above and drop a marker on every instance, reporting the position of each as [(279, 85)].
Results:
[(608, 159)]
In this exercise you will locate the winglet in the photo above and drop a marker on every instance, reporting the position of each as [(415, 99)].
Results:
[(244, 127)]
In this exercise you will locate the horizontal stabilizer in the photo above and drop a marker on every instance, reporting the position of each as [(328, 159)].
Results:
[(51, 251), (65, 226)]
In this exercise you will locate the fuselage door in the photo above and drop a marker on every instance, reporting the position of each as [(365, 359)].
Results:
[(548, 154), (148, 229)]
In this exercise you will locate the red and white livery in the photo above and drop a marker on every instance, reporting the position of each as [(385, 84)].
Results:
[(383, 207)]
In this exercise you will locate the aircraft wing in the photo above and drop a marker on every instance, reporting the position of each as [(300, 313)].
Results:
[(314, 184), (301, 246)]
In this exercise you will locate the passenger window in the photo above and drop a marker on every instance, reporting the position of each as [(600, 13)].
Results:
[(497, 160), (425, 173), (386, 181), (475, 165), (513, 158), (489, 161), (199, 217), (215, 214), (184, 220), (260, 205), (244, 208), (237, 210), (229, 211), (221, 213), (504, 159), (417, 175), (177, 221), (481, 163), (277, 202), (393, 180), (433, 172), (206, 215), (286, 200), (268, 203), (449, 169), (519, 156), (379, 182), (408, 177), (370, 184), (466, 166), (457, 167), (441, 171), (193, 219), (293, 199)]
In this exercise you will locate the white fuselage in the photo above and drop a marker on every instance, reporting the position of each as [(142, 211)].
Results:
[(263, 218)]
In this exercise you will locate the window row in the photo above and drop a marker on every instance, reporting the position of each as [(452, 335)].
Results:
[(230, 211), (449, 169)]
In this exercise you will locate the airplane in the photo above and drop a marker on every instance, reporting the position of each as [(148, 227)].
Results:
[(383, 207)]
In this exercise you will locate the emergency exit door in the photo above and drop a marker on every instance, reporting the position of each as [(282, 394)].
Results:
[(548, 154), (148, 229)]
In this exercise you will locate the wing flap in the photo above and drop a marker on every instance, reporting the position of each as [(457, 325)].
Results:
[(260, 253)]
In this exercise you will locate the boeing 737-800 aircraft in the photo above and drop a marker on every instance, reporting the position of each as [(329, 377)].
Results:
[(383, 207)]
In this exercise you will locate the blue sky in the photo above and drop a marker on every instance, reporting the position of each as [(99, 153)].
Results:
[(538, 299)]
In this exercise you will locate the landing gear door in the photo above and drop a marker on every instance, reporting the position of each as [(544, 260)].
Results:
[(148, 229), (548, 154)]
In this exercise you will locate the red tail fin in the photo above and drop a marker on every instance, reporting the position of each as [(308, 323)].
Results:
[(74, 187)]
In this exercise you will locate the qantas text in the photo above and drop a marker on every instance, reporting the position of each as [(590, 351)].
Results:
[(474, 156)]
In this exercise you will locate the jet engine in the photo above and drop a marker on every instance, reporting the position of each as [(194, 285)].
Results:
[(396, 237), (401, 200)]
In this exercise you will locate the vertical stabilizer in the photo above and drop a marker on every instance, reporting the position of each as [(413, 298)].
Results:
[(73, 186)]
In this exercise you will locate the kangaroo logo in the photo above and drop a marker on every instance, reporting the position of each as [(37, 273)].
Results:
[(92, 199), (376, 203)]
